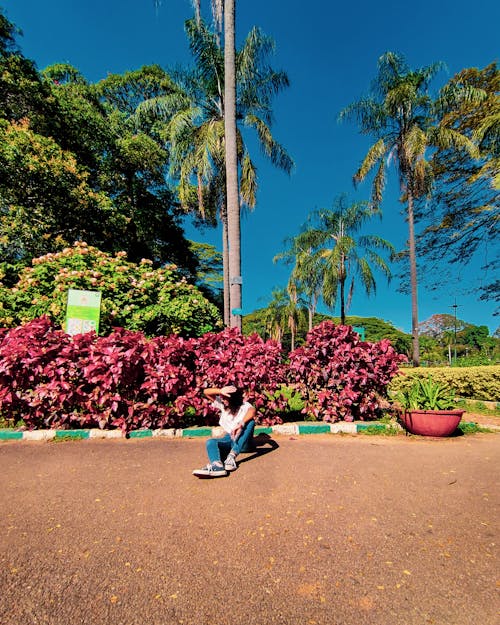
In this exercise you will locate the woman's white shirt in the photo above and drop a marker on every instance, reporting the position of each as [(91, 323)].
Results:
[(229, 421)]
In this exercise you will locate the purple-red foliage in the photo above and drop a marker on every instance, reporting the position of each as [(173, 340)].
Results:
[(248, 362), (25, 353), (341, 376), (50, 379), (125, 380)]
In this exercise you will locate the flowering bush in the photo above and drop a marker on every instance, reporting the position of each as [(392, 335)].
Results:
[(136, 297), (340, 376)]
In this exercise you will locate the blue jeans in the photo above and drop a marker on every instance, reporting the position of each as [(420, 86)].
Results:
[(218, 448)]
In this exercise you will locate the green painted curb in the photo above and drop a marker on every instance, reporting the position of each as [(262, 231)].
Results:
[(370, 426), (197, 432), (314, 429), (140, 434), (263, 430), (10, 435), (72, 434)]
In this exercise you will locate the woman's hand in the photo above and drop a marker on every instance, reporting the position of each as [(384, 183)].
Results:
[(227, 391), (237, 431)]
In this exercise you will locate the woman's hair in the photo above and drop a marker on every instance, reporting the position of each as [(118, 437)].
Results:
[(235, 400)]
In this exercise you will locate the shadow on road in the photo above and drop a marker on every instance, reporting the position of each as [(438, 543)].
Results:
[(262, 444)]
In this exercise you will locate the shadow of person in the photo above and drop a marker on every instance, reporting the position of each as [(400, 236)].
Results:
[(260, 445)]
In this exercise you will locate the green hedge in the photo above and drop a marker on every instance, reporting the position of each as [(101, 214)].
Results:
[(481, 383)]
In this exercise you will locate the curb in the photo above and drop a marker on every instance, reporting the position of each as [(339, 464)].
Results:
[(287, 429)]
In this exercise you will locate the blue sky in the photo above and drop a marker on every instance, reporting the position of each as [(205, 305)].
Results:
[(330, 52)]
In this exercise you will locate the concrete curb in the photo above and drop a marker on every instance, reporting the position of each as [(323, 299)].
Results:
[(287, 429)]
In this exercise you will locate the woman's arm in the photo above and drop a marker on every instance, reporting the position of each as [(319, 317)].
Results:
[(249, 415), (213, 392)]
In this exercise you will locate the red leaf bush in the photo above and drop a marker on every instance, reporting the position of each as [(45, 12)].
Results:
[(124, 380), (340, 376), (248, 362), (52, 380)]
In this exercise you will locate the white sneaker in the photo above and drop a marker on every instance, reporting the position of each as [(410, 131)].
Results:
[(230, 463), (211, 470)]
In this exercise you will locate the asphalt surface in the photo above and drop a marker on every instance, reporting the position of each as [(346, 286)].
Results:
[(322, 530)]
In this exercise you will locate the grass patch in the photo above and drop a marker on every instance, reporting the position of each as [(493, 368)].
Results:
[(379, 429), (472, 428), (70, 435), (478, 407), (64, 439)]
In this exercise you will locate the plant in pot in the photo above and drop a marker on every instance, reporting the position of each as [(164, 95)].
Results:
[(428, 408)]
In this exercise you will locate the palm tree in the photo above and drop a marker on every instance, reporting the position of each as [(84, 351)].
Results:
[(338, 256), (295, 309), (275, 314), (194, 129), (231, 153), (401, 115), (306, 276), (284, 311)]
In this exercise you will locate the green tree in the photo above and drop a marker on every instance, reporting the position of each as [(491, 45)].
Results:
[(339, 255), (46, 201), (8, 32), (134, 170), (283, 314), (276, 316), (209, 273), (306, 275), (400, 114), (81, 122), (109, 164), (23, 93), (476, 336)]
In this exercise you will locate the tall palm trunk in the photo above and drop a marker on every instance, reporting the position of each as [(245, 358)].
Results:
[(225, 266), (310, 313), (342, 301), (233, 204), (343, 275), (413, 281)]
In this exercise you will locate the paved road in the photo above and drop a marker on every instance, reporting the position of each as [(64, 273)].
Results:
[(323, 530)]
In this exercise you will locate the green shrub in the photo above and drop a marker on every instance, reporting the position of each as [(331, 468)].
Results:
[(466, 382), (472, 428), (476, 360), (293, 403)]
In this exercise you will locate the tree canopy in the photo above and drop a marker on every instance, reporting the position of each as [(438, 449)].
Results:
[(74, 165), (465, 208)]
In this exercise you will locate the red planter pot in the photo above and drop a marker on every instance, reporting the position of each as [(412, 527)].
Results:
[(431, 422)]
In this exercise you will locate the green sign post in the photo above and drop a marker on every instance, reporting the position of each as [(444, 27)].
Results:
[(360, 330), (83, 311)]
